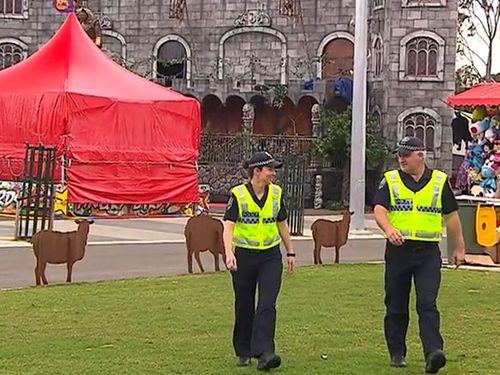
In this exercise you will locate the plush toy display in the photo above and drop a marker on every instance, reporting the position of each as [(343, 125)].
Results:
[(481, 166)]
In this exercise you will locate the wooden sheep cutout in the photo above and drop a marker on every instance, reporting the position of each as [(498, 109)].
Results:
[(327, 233), (58, 248), (204, 233)]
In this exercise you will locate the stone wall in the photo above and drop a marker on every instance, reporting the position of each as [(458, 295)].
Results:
[(286, 48), (402, 20)]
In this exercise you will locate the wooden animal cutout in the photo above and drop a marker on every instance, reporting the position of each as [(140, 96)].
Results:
[(58, 248), (204, 233), (327, 233)]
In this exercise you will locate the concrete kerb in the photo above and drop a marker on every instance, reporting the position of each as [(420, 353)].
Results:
[(118, 234), (23, 244)]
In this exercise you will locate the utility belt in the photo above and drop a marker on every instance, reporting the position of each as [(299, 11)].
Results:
[(415, 246), (274, 249)]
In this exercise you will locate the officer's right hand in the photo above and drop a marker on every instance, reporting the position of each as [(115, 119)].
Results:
[(394, 236), (231, 261)]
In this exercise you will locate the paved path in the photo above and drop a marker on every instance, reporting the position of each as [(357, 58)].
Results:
[(154, 230), (111, 262)]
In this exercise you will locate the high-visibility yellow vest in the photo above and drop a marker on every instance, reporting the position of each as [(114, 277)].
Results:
[(418, 216), (257, 228)]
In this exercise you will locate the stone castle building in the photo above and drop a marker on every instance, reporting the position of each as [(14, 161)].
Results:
[(228, 53)]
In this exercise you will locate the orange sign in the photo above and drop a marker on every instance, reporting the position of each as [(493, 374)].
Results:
[(64, 6)]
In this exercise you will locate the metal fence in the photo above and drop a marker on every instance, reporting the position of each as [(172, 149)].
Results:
[(293, 178), (232, 149), (35, 204)]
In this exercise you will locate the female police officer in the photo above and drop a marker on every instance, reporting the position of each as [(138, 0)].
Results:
[(255, 225)]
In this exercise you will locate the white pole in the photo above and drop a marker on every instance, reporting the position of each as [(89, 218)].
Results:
[(358, 139)]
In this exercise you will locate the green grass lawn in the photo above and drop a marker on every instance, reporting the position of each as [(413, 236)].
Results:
[(183, 325)]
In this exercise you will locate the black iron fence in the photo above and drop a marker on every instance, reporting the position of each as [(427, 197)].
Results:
[(35, 203), (232, 149), (293, 180)]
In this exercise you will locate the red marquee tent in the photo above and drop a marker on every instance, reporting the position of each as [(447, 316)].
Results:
[(483, 94), (127, 140)]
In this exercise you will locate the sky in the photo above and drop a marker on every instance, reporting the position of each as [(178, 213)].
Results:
[(481, 48), (476, 42)]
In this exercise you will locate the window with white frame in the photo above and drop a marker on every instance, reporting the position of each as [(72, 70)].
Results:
[(11, 53), (424, 123), (377, 4), (376, 116), (377, 57), (422, 126), (422, 57), (13, 9), (423, 3), (115, 46), (172, 60)]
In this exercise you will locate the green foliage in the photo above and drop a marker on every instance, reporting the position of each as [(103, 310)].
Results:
[(279, 94), (335, 206), (335, 144), (466, 77)]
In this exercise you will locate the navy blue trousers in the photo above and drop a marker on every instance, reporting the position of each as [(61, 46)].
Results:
[(255, 324), (422, 264)]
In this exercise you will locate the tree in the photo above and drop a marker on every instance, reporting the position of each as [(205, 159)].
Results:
[(466, 77), (480, 19), (335, 144)]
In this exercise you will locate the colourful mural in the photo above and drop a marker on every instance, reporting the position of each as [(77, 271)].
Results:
[(9, 191), (8, 196), (142, 210), (61, 202)]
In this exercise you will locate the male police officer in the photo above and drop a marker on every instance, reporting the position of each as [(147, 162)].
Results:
[(409, 207)]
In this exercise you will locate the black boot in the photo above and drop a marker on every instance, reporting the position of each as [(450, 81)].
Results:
[(398, 361), (435, 361), (244, 361), (268, 361)]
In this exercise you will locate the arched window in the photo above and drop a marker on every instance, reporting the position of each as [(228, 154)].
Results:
[(376, 116), (377, 57), (172, 60), (115, 46), (11, 52), (336, 55), (422, 57), (422, 126), (338, 58), (423, 123)]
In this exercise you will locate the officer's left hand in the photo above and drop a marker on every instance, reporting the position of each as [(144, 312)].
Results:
[(291, 264), (459, 257)]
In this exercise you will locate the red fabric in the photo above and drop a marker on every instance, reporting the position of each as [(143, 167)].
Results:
[(129, 140), (483, 94)]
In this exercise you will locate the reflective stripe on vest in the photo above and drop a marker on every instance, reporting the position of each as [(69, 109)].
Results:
[(256, 227), (407, 204), (418, 216), (243, 242)]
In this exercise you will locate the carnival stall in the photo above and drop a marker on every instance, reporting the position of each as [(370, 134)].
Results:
[(478, 178), (123, 139)]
